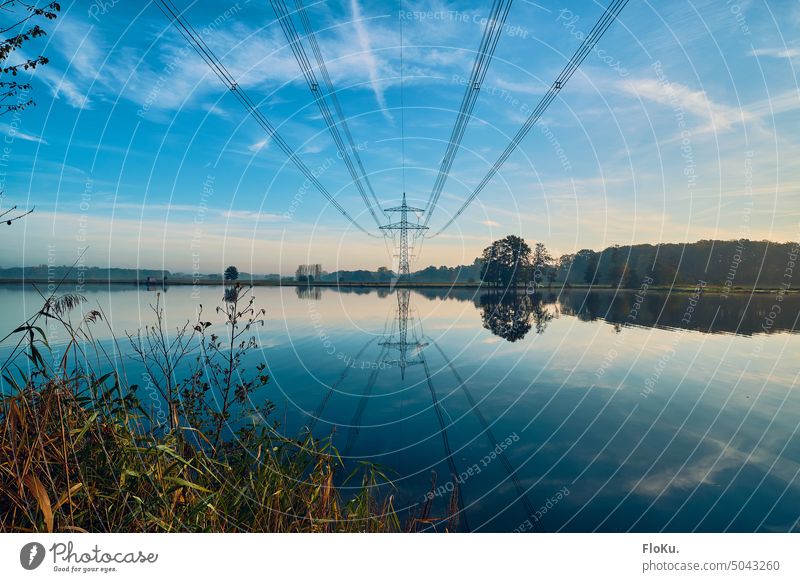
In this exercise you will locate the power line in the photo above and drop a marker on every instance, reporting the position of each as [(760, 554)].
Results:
[(587, 45), (329, 85), (202, 49), (289, 30), (402, 104), (488, 45)]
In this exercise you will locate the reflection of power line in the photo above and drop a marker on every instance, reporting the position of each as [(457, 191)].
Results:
[(355, 424), (445, 440), (410, 352), (399, 340), (512, 473), (396, 340), (321, 408), (342, 377)]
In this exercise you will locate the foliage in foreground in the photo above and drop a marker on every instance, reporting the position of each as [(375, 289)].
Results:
[(75, 453)]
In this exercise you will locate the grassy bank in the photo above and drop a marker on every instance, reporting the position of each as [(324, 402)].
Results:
[(79, 452)]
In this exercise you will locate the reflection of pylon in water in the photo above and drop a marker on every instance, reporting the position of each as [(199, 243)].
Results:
[(405, 342), (399, 339), (404, 226)]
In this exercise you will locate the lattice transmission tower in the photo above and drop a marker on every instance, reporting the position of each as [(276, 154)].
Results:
[(404, 226)]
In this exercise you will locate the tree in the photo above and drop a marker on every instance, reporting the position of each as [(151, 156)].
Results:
[(552, 274), (13, 93), (631, 280), (13, 212), (231, 273), (384, 274), (564, 267), (663, 273), (615, 269), (504, 260), (591, 269), (541, 264), (309, 273), (25, 17)]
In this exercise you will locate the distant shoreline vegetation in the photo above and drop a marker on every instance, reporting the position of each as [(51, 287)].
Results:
[(726, 266)]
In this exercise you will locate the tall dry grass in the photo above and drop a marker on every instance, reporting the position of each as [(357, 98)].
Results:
[(79, 453)]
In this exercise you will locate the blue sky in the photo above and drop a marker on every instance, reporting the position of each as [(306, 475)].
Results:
[(682, 125)]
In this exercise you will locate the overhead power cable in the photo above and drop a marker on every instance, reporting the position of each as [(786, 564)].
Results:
[(202, 49), (586, 47), (491, 35), (293, 38), (402, 104), (329, 85)]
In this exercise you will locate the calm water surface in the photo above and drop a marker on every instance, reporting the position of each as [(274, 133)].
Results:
[(578, 412)]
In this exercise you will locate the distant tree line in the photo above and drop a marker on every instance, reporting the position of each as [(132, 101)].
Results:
[(511, 260), (382, 275), (44, 272), (730, 264), (308, 273), (742, 263)]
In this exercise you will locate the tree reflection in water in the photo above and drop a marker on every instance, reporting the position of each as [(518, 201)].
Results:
[(512, 315)]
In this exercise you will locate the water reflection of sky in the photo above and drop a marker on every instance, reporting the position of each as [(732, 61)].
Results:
[(659, 425)]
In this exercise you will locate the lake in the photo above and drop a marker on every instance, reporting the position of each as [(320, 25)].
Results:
[(602, 411)]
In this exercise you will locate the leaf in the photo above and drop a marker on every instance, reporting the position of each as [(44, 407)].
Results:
[(40, 493), (100, 381), (64, 498), (85, 428), (185, 483), (125, 474)]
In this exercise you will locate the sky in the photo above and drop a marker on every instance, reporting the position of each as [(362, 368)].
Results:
[(681, 125)]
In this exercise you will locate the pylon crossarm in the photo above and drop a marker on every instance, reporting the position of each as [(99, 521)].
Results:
[(409, 226)]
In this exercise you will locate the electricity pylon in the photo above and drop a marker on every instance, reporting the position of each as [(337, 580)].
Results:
[(404, 226)]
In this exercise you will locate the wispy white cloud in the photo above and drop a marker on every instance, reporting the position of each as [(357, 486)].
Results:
[(61, 87), (251, 216), (259, 145), (183, 209), (314, 147), (775, 104), (16, 133), (369, 59), (695, 102), (778, 53), (77, 44)]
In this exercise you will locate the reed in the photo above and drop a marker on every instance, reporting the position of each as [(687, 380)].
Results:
[(79, 453)]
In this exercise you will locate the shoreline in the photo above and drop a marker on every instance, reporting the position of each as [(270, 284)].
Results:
[(381, 285)]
